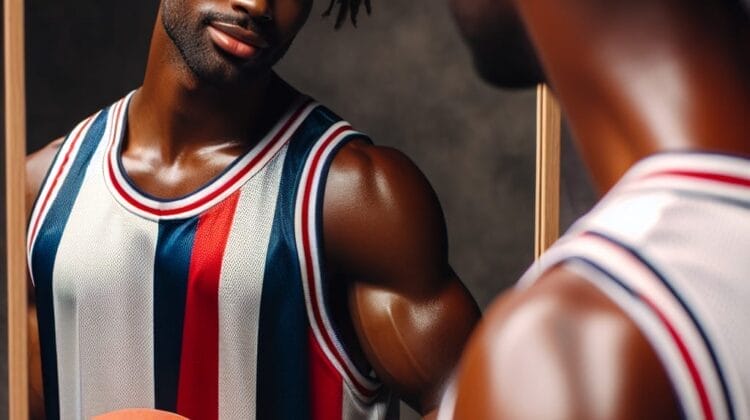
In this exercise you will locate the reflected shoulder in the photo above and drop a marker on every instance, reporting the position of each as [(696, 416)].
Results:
[(37, 165), (377, 196)]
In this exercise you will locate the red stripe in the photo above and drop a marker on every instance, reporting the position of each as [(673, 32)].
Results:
[(56, 179), (198, 389), (682, 347), (327, 384), (308, 190), (223, 188), (708, 176), (685, 353)]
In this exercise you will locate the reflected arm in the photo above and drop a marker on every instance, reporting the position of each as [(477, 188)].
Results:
[(37, 166), (386, 236)]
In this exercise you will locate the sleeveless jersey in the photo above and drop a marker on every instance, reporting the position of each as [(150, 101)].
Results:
[(670, 245), (212, 305)]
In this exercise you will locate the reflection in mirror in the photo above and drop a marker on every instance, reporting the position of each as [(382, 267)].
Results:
[(402, 76)]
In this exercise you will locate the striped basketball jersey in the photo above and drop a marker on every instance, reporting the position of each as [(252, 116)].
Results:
[(670, 245), (212, 305)]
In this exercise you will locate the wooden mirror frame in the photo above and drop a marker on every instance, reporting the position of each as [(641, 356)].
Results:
[(15, 158), (547, 202)]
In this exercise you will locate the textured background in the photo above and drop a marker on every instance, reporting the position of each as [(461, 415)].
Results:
[(403, 77)]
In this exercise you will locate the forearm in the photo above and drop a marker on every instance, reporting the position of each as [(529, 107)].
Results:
[(414, 344)]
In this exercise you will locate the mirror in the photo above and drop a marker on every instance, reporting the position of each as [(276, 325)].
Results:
[(404, 77)]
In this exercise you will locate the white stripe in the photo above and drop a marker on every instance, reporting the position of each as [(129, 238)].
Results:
[(703, 162), (640, 176), (447, 407), (686, 183), (39, 213), (215, 185), (240, 292), (316, 276), (103, 302), (645, 282), (653, 330), (353, 408)]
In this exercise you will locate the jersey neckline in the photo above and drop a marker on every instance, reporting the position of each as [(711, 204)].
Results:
[(211, 193), (712, 174)]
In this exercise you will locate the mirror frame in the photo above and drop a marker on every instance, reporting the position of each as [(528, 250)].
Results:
[(15, 158), (547, 195)]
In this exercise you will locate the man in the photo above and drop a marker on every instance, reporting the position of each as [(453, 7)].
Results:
[(218, 245), (639, 310)]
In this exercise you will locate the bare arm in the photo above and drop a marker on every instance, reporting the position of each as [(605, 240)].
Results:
[(37, 165), (561, 350), (386, 235)]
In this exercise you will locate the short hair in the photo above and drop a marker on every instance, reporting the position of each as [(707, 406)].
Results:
[(348, 8)]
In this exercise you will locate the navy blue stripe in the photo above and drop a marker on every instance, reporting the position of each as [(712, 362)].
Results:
[(622, 285), (283, 387), (706, 341), (283, 359), (171, 270), (43, 260)]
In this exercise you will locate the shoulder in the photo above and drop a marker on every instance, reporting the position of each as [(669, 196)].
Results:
[(377, 196), (37, 165), (562, 349), (383, 174)]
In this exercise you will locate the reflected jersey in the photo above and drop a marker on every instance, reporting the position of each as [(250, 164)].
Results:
[(212, 305)]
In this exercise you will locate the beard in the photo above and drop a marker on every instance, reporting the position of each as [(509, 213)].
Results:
[(187, 30)]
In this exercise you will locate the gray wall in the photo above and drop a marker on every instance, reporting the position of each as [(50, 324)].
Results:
[(404, 77)]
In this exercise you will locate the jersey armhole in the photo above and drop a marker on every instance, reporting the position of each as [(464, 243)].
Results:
[(308, 234), (672, 330), (49, 186)]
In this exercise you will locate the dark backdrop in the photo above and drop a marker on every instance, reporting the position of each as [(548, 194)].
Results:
[(403, 77)]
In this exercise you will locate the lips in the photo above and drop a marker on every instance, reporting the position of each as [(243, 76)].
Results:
[(235, 40)]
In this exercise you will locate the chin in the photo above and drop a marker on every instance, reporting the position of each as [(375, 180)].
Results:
[(216, 69)]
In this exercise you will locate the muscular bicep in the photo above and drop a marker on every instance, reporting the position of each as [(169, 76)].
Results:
[(385, 233)]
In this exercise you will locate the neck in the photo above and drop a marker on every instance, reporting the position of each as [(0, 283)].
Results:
[(175, 112), (638, 77)]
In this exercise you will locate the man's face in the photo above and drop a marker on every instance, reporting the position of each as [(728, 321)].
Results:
[(229, 41), (502, 51)]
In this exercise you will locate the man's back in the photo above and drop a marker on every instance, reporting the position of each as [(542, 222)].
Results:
[(669, 246), (607, 334)]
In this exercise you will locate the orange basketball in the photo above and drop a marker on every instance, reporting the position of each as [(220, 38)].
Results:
[(139, 414)]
